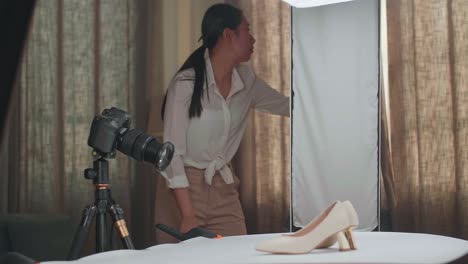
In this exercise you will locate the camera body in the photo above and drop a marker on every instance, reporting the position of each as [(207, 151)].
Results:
[(106, 129), (111, 131)]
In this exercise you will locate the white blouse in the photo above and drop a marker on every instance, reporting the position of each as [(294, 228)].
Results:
[(210, 141)]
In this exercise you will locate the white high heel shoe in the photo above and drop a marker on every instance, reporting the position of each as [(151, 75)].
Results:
[(338, 219)]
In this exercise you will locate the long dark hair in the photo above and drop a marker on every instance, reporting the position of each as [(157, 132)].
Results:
[(216, 19)]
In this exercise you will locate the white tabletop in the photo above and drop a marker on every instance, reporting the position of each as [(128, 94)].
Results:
[(372, 247)]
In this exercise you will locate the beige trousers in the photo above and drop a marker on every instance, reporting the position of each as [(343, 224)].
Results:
[(217, 206)]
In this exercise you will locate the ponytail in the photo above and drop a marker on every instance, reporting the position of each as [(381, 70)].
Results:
[(216, 19), (196, 61)]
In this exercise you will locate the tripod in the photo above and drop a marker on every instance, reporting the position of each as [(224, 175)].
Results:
[(103, 204)]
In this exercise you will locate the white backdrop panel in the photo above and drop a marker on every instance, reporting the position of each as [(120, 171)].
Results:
[(335, 109)]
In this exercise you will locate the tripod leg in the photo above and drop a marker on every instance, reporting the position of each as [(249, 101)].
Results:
[(119, 223), (82, 232), (101, 226)]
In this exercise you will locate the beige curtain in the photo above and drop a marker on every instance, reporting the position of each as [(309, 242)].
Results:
[(427, 118), (263, 160), (81, 56)]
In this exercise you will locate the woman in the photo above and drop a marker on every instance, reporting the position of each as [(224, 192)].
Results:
[(205, 112)]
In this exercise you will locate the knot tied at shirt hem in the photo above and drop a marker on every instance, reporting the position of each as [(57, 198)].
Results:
[(220, 165)]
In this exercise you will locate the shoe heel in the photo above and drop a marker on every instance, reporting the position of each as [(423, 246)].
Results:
[(346, 240), (349, 237)]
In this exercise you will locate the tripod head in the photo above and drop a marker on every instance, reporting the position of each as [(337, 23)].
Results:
[(99, 174)]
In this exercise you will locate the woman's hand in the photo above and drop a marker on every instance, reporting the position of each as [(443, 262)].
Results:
[(184, 202), (187, 223)]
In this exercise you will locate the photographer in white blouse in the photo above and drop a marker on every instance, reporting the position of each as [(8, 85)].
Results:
[(205, 112)]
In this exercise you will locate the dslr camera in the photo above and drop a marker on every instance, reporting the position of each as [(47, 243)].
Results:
[(111, 131)]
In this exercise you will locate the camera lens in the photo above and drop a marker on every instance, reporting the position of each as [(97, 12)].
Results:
[(159, 154), (142, 147)]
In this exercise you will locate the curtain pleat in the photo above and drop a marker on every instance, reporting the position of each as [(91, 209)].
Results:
[(263, 160), (428, 105)]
